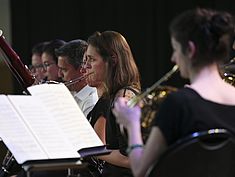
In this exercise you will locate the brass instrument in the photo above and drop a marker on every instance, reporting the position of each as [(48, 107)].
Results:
[(151, 106), (227, 72), (151, 100), (154, 96), (135, 100), (229, 78)]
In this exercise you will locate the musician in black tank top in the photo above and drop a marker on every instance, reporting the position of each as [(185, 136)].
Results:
[(110, 60), (114, 137)]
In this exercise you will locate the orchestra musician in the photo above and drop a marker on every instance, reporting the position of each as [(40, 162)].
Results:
[(70, 58), (201, 40), (9, 166), (50, 60), (69, 61), (36, 66), (115, 74)]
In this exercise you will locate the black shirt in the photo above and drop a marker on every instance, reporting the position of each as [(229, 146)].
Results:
[(101, 108), (185, 111), (117, 141)]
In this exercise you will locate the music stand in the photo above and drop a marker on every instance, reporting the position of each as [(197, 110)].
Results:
[(53, 164)]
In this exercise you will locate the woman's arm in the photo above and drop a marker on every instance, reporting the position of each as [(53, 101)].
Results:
[(141, 158), (115, 157), (99, 128)]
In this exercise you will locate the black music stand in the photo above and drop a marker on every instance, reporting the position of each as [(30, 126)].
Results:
[(65, 164), (53, 164)]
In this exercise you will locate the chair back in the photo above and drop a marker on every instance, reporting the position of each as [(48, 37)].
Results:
[(203, 154)]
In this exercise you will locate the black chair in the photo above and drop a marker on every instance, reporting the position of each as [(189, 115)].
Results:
[(202, 154)]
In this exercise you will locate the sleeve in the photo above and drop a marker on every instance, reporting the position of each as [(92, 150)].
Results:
[(88, 106), (103, 108), (100, 109), (114, 137), (169, 117)]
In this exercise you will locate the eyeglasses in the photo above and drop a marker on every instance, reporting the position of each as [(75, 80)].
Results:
[(34, 68), (46, 65)]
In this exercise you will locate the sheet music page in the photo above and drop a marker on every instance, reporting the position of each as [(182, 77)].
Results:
[(15, 134), (60, 102), (45, 130)]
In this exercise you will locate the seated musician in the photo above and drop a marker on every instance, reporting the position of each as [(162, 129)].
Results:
[(36, 62), (50, 60), (110, 58), (70, 57), (201, 41)]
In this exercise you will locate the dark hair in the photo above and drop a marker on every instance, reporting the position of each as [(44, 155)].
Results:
[(74, 50), (50, 47), (211, 31), (122, 69), (38, 48)]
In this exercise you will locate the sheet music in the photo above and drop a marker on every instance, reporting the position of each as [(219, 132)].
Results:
[(13, 130), (47, 125), (60, 102), (45, 130)]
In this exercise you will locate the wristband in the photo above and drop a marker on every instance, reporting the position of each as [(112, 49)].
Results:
[(133, 146)]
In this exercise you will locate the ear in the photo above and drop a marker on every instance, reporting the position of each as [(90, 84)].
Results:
[(191, 49)]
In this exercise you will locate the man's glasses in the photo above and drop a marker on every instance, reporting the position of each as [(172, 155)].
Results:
[(46, 65), (35, 68)]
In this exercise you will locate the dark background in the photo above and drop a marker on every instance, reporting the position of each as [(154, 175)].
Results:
[(143, 23)]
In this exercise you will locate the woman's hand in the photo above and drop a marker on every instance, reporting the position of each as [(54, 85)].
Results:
[(124, 115)]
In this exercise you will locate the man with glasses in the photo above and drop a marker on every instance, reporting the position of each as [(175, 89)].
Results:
[(36, 66)]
